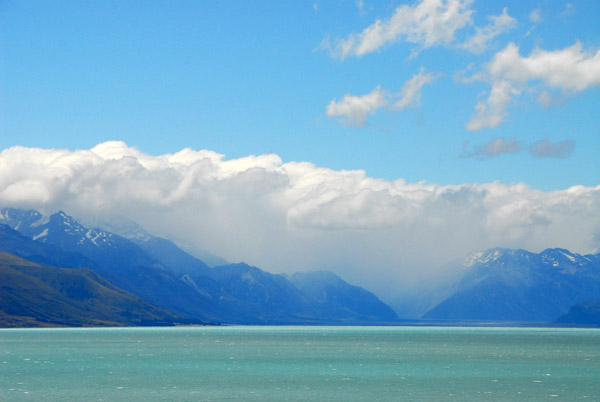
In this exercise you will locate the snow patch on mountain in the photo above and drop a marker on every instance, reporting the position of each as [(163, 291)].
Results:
[(42, 221), (570, 257), (42, 234), (481, 257)]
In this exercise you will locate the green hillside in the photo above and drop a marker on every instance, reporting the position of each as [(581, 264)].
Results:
[(37, 295)]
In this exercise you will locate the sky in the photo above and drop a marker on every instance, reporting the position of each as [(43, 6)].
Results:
[(377, 139)]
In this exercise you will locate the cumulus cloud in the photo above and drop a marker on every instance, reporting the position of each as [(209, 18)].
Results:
[(569, 70), (292, 216), (497, 26), (495, 147), (546, 149), (428, 23), (354, 110)]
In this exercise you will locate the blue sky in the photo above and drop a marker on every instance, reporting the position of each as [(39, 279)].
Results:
[(243, 78)]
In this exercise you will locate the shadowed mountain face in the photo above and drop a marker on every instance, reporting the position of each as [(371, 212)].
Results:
[(159, 272), (516, 285), (330, 292), (38, 295), (586, 313), (115, 258), (108, 250), (15, 242)]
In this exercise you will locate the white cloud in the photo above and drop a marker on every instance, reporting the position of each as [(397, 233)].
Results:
[(570, 70), (428, 23), (294, 216), (497, 26), (546, 149), (491, 111), (536, 15), (495, 147), (410, 95), (354, 110)]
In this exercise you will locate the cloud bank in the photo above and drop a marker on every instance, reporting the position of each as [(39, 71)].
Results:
[(294, 216)]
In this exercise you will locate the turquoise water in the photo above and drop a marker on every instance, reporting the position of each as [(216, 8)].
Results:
[(299, 363)]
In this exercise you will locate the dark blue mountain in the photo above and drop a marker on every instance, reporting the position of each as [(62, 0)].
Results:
[(586, 313), (159, 272), (270, 298), (516, 285), (335, 297), (14, 242), (109, 250), (118, 260), (38, 295)]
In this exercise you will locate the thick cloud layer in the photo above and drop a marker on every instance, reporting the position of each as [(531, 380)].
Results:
[(294, 216)]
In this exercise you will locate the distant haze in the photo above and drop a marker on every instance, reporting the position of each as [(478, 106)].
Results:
[(295, 216)]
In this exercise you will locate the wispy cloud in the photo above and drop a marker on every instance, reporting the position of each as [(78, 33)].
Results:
[(497, 26), (536, 16), (411, 92), (491, 111), (428, 23), (569, 70), (569, 10), (354, 110), (546, 149), (495, 147)]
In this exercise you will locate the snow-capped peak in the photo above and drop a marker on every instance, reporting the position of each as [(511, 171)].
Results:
[(481, 257)]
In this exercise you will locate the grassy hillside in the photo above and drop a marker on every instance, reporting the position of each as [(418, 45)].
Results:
[(37, 295)]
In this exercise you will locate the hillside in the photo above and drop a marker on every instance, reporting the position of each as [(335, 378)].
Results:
[(38, 295)]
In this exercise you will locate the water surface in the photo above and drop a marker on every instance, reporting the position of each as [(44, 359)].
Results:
[(299, 363)]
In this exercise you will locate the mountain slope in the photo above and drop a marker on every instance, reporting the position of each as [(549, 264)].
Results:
[(37, 295), (263, 297), (159, 272), (584, 313), (336, 298), (118, 260), (516, 285), (14, 242)]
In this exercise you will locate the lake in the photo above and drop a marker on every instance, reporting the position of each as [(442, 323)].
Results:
[(299, 363)]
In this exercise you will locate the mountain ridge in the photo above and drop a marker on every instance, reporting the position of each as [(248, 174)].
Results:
[(517, 285), (159, 272)]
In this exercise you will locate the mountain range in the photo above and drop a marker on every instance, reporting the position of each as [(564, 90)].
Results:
[(511, 286), (157, 273), (162, 284)]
